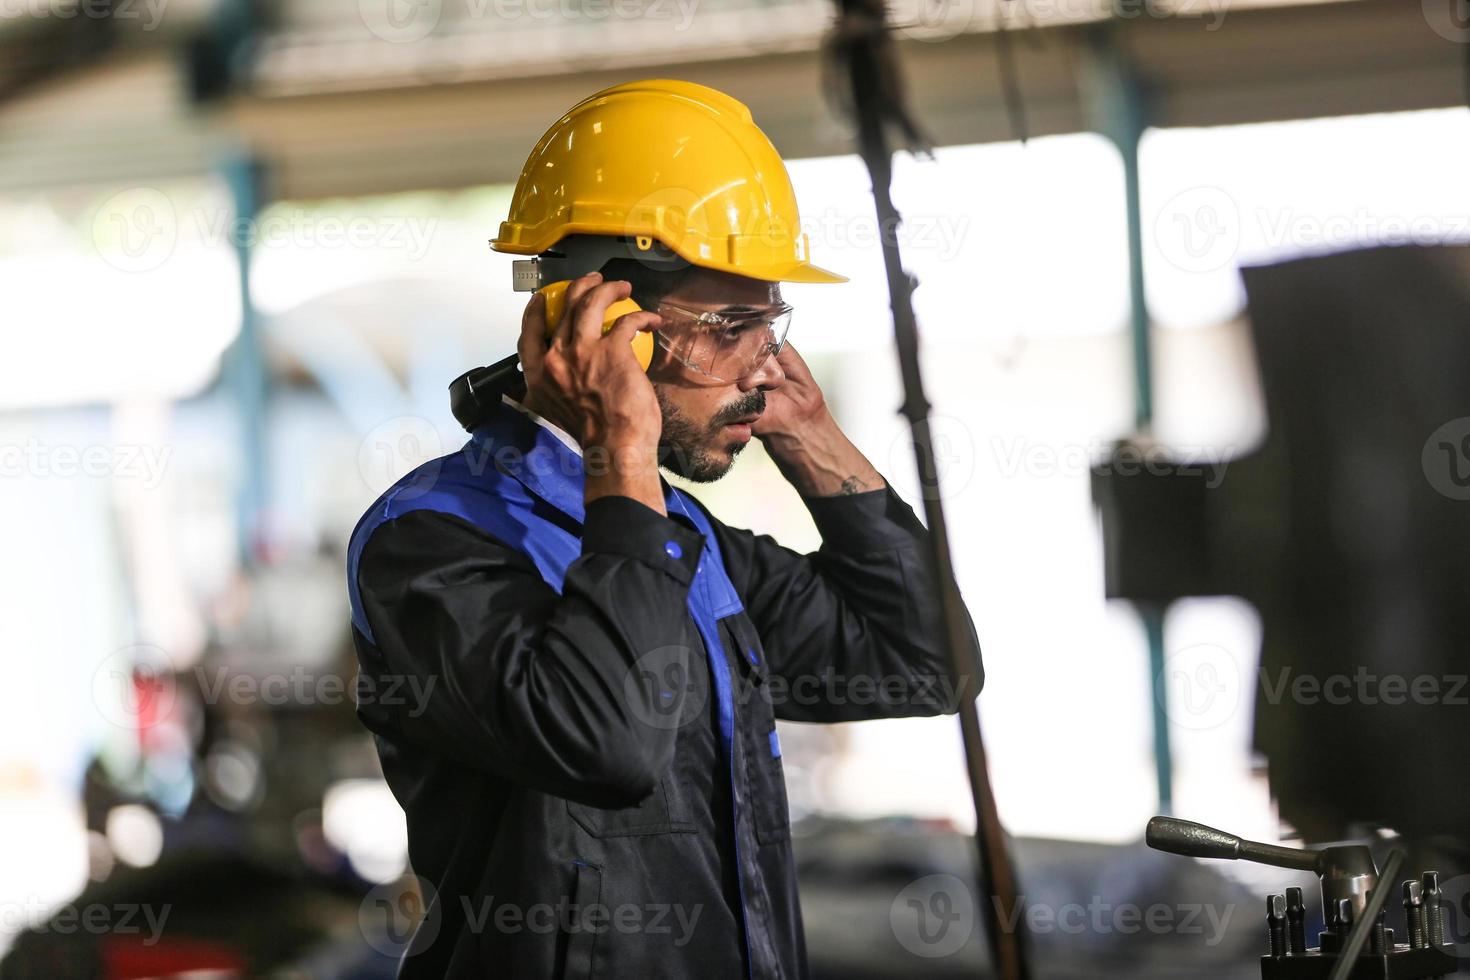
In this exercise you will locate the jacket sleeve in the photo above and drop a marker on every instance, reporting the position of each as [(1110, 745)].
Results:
[(853, 630), (497, 670)]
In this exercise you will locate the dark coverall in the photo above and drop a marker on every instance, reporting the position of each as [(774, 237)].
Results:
[(589, 765)]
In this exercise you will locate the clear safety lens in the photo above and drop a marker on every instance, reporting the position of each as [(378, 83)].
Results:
[(722, 346)]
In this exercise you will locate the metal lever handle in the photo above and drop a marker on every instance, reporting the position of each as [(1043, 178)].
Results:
[(1196, 840)]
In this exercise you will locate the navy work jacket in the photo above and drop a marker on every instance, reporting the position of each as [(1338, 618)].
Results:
[(575, 706)]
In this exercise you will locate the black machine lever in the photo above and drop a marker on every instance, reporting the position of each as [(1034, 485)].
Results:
[(1196, 840), (1356, 942), (1346, 871)]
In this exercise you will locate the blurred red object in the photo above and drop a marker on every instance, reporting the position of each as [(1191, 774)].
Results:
[(131, 958)]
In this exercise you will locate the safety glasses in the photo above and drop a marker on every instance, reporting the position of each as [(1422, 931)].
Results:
[(722, 346)]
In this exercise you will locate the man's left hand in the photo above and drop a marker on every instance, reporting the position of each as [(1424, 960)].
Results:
[(803, 438), (796, 407)]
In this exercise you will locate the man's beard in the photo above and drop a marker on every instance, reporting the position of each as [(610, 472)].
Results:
[(688, 450)]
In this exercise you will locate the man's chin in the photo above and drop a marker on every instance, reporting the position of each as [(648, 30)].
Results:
[(701, 466)]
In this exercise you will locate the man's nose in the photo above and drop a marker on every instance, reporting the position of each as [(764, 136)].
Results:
[(769, 375)]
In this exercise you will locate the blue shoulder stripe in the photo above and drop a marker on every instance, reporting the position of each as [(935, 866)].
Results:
[(463, 485)]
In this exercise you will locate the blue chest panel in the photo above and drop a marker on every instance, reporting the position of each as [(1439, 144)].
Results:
[(503, 481)]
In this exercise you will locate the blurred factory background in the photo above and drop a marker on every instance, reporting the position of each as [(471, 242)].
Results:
[(243, 250)]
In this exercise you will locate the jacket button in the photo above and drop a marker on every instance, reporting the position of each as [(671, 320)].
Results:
[(672, 549)]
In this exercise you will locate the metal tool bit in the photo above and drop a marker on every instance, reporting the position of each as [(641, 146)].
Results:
[(1433, 910), (1296, 918), (1276, 924), (1414, 911)]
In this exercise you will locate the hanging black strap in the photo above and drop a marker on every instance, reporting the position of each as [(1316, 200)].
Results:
[(862, 49)]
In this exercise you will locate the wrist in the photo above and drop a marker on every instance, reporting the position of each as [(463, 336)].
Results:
[(623, 471), (822, 461)]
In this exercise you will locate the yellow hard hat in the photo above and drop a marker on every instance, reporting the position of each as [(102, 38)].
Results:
[(666, 161)]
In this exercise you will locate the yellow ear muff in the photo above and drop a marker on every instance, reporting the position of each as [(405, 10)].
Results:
[(556, 301)]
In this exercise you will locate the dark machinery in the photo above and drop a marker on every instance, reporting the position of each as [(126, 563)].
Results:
[(1356, 943), (1347, 529)]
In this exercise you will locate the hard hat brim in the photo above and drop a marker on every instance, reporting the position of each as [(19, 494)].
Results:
[(800, 272)]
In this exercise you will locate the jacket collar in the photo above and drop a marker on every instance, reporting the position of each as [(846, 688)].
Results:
[(534, 455), (562, 435), (541, 457)]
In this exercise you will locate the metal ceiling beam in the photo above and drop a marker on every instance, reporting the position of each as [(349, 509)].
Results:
[(1258, 65)]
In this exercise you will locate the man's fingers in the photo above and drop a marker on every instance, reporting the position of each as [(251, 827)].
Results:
[(573, 299), (792, 363), (627, 326), (579, 287), (588, 313), (531, 345)]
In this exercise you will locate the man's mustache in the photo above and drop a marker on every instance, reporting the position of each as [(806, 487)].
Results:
[(752, 404)]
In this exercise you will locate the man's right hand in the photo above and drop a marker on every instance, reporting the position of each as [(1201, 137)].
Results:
[(592, 385)]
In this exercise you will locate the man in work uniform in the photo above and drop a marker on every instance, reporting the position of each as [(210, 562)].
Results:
[(592, 779)]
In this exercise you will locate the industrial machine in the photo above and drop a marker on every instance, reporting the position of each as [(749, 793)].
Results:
[(1356, 944)]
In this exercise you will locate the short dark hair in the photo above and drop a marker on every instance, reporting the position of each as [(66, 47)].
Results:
[(650, 285)]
